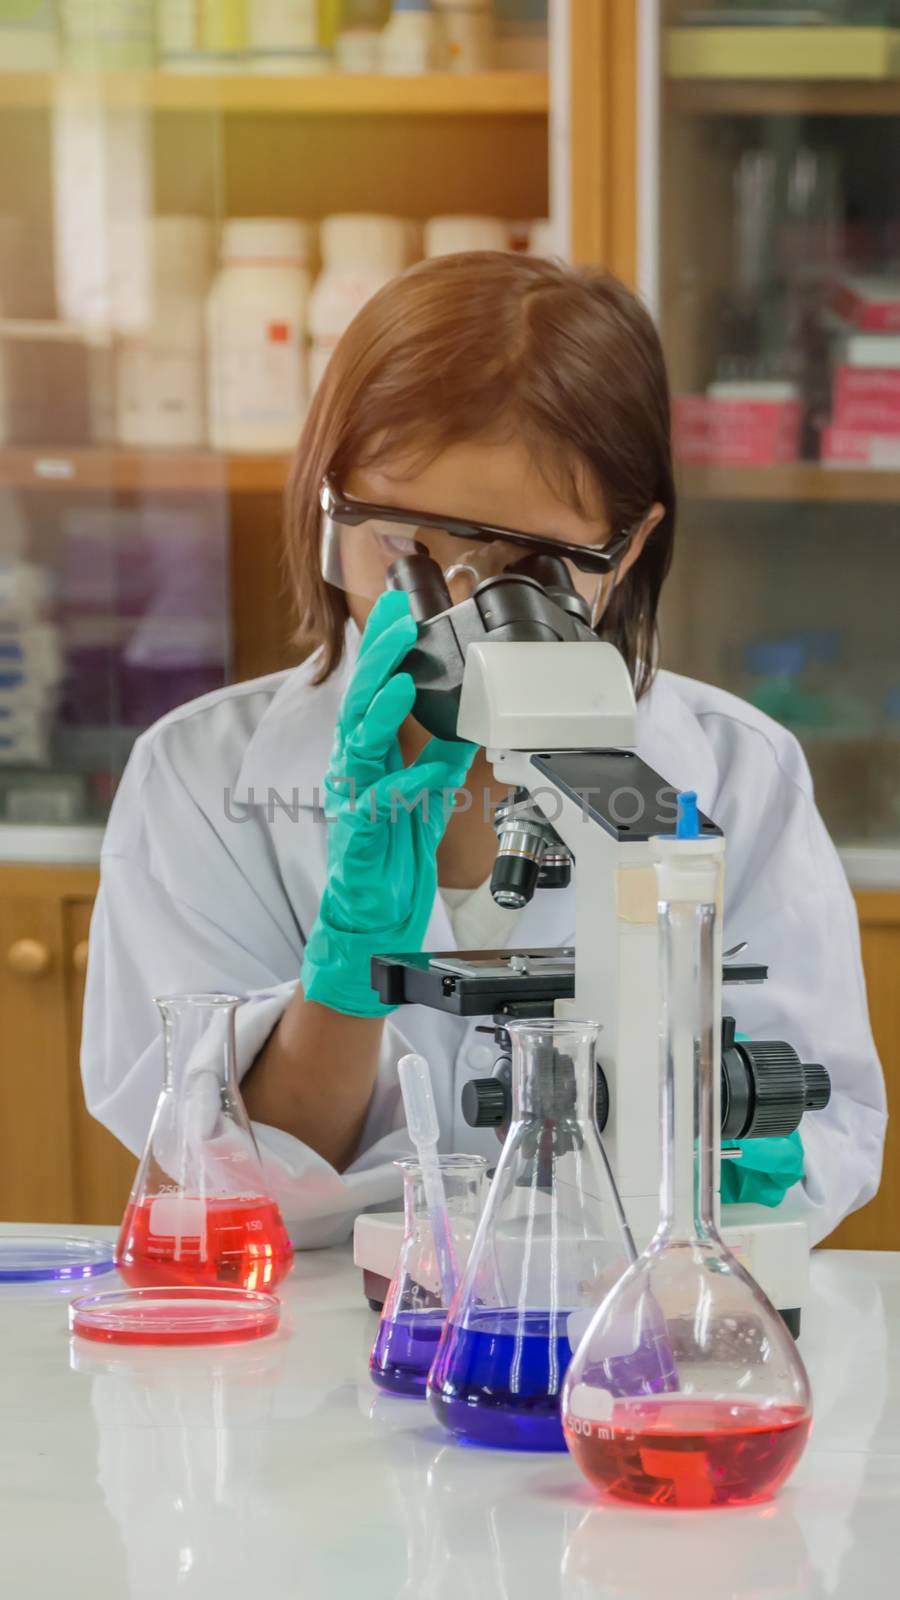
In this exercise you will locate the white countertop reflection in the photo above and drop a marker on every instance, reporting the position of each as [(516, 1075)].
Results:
[(275, 1470)]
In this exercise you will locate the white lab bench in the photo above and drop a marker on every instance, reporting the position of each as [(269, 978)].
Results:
[(276, 1471)]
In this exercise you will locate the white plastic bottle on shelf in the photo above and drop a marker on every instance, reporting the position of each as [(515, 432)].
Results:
[(223, 34), (160, 376), (28, 37), (256, 320), (178, 35), (283, 36), (108, 35), (413, 40), (543, 238), (357, 46), (445, 236), (468, 34), (360, 253)]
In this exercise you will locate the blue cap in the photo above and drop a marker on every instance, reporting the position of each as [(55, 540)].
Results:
[(688, 823), (776, 658), (822, 644), (892, 703)]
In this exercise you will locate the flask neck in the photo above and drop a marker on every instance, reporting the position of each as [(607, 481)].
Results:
[(198, 1036), (553, 1072), (415, 1206), (687, 1191)]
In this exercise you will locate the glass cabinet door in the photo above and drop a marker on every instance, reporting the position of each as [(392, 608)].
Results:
[(175, 189), (113, 512), (780, 307)]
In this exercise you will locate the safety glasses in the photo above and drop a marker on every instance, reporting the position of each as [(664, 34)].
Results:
[(380, 535)]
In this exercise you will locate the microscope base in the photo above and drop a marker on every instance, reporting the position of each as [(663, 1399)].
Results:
[(775, 1252)]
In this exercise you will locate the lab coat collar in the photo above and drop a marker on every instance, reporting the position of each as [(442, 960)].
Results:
[(290, 748)]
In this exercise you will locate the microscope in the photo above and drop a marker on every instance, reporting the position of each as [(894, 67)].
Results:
[(517, 669)]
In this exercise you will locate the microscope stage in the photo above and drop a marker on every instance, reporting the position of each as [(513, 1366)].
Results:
[(506, 983)]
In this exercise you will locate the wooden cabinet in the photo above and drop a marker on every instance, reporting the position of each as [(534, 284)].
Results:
[(56, 1163), (877, 1225)]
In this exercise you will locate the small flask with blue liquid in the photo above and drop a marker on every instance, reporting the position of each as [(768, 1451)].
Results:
[(415, 1309)]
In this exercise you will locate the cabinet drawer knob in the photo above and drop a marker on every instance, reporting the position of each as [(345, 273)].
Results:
[(80, 957), (28, 958)]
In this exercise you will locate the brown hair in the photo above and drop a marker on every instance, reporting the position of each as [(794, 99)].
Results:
[(468, 345)]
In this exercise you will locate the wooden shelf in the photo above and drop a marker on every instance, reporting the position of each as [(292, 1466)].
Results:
[(209, 472), (766, 52), (142, 471), (803, 481), (797, 97), (331, 94), (814, 71)]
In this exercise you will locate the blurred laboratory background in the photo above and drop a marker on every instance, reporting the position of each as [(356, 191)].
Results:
[(196, 197)]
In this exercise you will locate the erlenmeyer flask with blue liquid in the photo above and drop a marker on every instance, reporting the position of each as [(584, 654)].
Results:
[(551, 1242)]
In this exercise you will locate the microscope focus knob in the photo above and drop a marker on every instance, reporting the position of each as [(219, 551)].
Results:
[(601, 1100), (818, 1086), (783, 1088), (485, 1102)]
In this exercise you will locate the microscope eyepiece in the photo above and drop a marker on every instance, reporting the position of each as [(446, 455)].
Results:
[(555, 579), (422, 579), (510, 607)]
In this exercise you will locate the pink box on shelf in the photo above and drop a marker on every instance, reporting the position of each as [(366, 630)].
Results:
[(866, 400), (738, 425), (691, 416), (757, 434), (872, 304), (851, 447)]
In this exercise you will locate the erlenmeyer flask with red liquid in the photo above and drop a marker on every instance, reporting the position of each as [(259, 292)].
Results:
[(198, 1212), (734, 1418)]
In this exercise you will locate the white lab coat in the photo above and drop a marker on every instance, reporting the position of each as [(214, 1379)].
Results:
[(208, 882)]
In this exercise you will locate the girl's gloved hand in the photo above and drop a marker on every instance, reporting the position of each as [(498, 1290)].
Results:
[(385, 822), (766, 1170)]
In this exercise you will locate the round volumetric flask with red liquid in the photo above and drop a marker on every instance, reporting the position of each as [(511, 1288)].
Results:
[(732, 1418), (174, 1316), (199, 1213)]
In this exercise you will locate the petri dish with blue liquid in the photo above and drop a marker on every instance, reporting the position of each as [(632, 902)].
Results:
[(47, 1258)]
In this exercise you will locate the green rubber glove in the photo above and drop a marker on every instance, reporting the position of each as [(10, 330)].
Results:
[(766, 1170), (385, 822)]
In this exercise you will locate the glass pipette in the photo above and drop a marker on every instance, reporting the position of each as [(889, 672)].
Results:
[(422, 1122)]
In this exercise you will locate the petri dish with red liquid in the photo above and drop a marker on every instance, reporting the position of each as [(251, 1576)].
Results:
[(178, 1314)]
